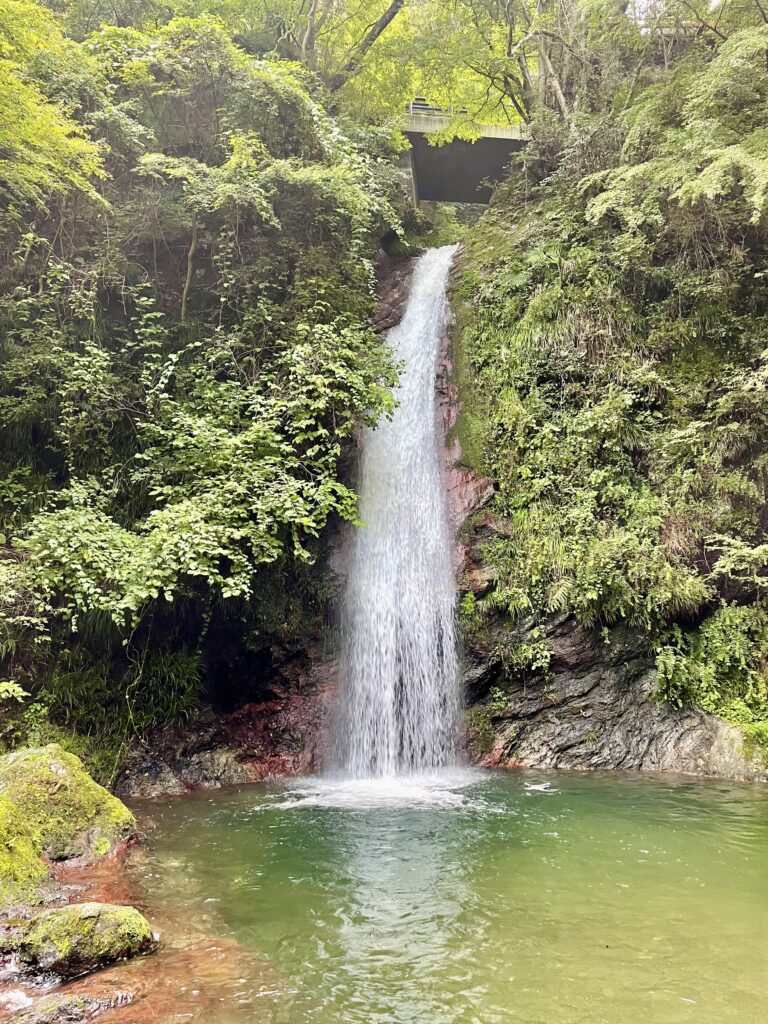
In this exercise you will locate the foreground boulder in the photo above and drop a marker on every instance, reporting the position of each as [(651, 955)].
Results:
[(67, 814), (23, 873), (70, 941), (71, 1009)]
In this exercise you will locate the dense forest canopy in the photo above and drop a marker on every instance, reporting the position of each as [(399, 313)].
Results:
[(193, 193)]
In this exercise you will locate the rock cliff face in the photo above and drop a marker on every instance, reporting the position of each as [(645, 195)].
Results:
[(594, 708), (278, 738), (466, 490)]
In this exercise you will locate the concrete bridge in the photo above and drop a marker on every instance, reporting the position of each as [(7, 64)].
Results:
[(459, 171)]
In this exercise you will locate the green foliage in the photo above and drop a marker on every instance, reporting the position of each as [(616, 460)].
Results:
[(32, 726), (721, 666), (479, 725), (616, 333), (193, 196), (44, 149), (478, 721), (187, 348), (444, 223), (10, 691), (756, 740), (497, 701), (468, 606), (93, 696)]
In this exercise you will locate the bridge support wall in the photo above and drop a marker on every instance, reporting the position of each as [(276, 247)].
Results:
[(458, 172)]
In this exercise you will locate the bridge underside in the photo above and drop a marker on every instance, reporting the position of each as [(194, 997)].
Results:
[(459, 171)]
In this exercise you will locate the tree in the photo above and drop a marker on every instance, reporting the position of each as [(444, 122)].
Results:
[(187, 344), (44, 150)]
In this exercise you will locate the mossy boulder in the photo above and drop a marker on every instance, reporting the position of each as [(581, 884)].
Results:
[(67, 813), (70, 941), (70, 1009), (23, 873)]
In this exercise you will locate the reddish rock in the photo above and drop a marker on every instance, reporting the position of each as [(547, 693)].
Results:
[(282, 737), (394, 285), (466, 490), (288, 736)]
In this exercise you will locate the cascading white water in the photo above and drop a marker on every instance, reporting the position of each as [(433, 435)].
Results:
[(399, 705)]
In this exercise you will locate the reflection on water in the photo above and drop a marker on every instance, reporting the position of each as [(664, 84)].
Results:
[(469, 899), (483, 898), (406, 886)]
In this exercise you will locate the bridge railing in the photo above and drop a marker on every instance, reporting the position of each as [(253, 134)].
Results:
[(424, 107), (423, 118)]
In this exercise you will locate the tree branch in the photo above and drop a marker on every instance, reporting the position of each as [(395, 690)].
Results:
[(308, 40), (706, 24), (554, 80), (366, 43)]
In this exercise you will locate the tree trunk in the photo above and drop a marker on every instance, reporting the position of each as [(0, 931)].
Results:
[(554, 81), (308, 40), (190, 269)]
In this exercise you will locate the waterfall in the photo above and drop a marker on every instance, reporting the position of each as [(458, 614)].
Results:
[(399, 704)]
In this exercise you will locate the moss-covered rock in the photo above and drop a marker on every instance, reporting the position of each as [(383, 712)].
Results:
[(67, 813), (23, 872), (70, 941), (64, 1008)]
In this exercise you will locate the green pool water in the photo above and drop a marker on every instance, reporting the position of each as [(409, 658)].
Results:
[(468, 899)]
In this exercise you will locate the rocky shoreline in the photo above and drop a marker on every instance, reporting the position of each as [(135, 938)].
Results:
[(279, 738), (55, 820), (594, 709)]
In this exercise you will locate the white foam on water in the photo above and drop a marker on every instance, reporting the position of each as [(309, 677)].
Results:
[(444, 789), (15, 999)]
